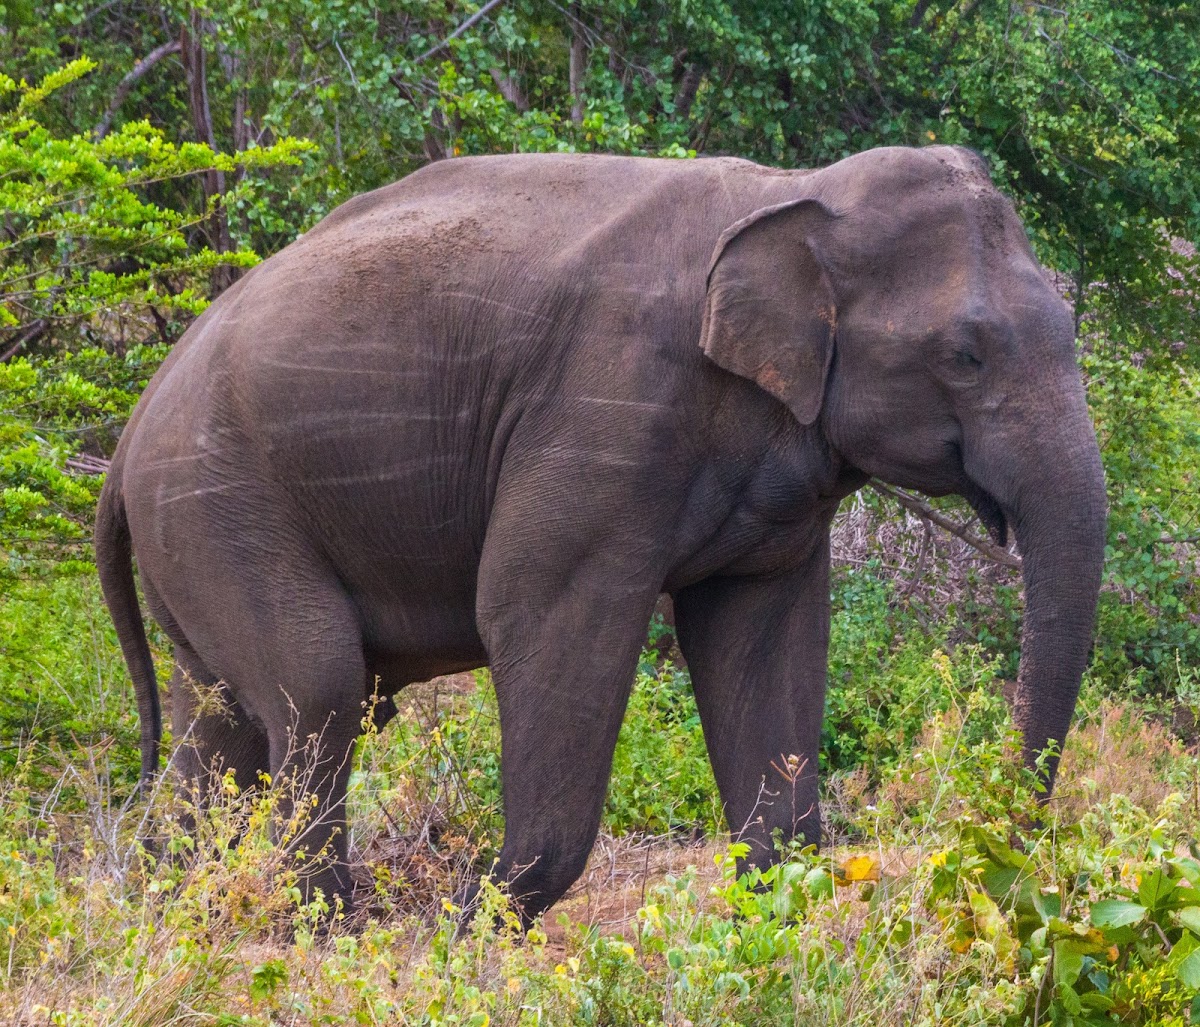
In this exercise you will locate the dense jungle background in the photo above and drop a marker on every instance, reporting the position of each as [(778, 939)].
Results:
[(151, 151)]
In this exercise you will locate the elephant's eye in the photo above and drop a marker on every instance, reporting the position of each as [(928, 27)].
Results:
[(965, 358)]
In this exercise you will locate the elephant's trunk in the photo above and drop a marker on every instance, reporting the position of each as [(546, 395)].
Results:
[(1059, 519)]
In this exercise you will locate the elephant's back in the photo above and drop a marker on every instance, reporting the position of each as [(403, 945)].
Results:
[(538, 213)]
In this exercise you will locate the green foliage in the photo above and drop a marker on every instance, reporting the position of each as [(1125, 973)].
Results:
[(888, 679), (939, 921), (661, 779), (88, 257), (52, 409), (32, 917), (1082, 932), (1105, 931), (1147, 415), (62, 681), (81, 238), (1085, 110)]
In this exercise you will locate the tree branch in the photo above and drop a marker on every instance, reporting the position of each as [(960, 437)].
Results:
[(928, 513), (129, 81), (466, 26), (31, 333)]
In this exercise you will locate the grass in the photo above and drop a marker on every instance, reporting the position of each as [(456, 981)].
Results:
[(919, 911)]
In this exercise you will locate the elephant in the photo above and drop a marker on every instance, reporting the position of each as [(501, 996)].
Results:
[(486, 415)]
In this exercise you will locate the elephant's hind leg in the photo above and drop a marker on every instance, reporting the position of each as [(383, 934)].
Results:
[(309, 687), (212, 733), (284, 639)]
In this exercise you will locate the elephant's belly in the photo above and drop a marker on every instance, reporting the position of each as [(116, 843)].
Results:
[(417, 629), (391, 672)]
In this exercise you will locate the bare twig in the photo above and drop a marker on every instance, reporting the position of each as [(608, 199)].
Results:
[(928, 513), (922, 554), (85, 464), (130, 80), (1162, 934)]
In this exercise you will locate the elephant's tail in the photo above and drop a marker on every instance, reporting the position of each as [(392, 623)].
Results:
[(114, 561)]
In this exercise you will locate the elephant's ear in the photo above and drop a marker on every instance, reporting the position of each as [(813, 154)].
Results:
[(770, 314)]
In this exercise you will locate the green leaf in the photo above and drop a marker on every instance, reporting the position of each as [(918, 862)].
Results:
[(1189, 971), (1068, 964), (818, 882), (1156, 889), (1117, 913), (1094, 1000), (1069, 999), (1046, 906), (1189, 917), (266, 978)]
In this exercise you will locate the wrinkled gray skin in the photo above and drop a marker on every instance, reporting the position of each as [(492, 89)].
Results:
[(487, 414)]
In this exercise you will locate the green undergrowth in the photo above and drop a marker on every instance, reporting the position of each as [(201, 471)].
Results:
[(949, 909), (934, 902)]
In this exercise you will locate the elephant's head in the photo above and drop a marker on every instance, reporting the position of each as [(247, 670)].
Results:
[(898, 308)]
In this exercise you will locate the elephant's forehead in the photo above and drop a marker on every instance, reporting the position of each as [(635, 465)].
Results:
[(962, 285)]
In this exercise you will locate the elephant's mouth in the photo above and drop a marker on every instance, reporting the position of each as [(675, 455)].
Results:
[(990, 512)]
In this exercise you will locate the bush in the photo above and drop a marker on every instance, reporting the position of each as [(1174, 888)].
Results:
[(1147, 414), (63, 682), (51, 410), (888, 679)]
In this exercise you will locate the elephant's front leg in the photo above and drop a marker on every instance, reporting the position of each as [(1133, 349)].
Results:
[(563, 636), (563, 671), (757, 651)]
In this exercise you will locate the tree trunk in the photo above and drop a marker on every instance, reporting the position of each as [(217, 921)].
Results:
[(191, 49), (434, 149), (693, 75), (510, 89), (578, 64)]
